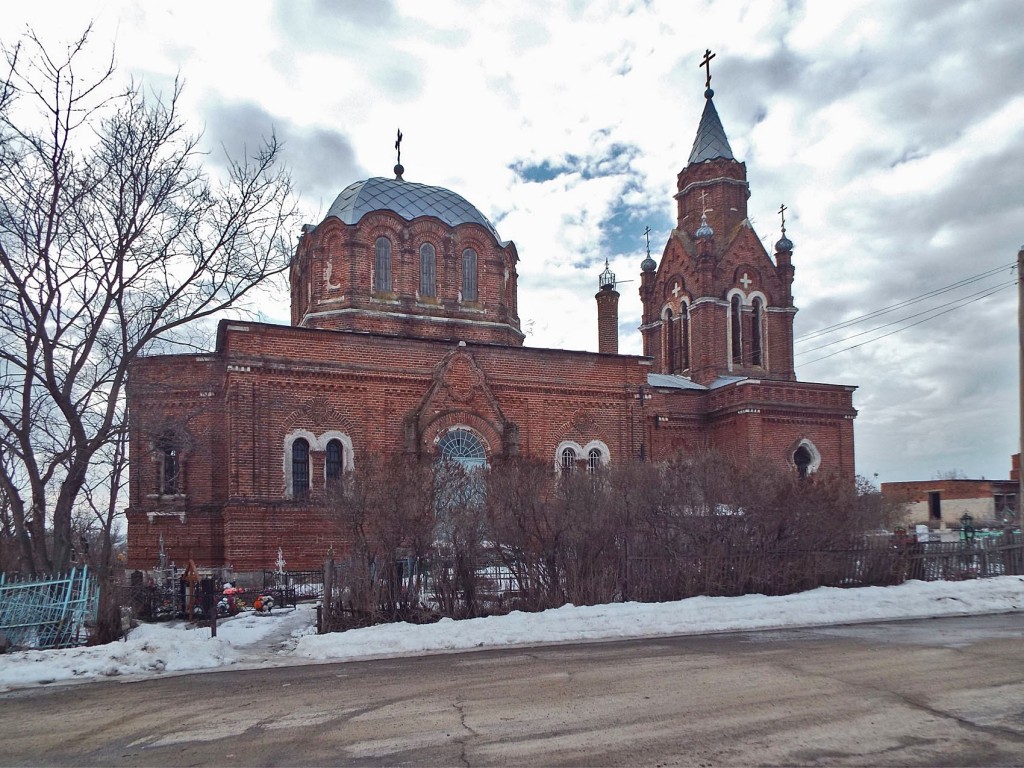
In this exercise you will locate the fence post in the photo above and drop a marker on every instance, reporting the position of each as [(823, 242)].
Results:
[(328, 601)]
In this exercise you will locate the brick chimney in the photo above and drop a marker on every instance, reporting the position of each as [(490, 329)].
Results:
[(607, 313)]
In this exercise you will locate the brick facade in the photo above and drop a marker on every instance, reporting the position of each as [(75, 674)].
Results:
[(379, 367)]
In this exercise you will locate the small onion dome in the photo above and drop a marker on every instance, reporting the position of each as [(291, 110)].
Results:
[(784, 244), (648, 264), (399, 170), (704, 230), (607, 278)]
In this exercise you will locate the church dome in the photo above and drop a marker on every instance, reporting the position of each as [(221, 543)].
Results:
[(407, 199)]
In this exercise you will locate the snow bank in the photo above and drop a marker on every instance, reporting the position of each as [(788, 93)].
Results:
[(155, 649)]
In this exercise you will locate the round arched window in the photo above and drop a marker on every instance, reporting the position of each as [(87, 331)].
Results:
[(464, 447), (568, 459)]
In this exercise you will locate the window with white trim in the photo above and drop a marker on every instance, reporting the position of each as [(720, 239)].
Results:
[(757, 332), (334, 461), (300, 468), (567, 460), (735, 330)]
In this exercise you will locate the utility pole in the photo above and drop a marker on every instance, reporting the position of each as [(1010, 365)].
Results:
[(1020, 383)]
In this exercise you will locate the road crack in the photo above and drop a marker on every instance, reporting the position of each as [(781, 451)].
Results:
[(463, 741)]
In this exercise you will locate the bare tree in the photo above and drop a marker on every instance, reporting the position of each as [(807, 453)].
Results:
[(113, 240)]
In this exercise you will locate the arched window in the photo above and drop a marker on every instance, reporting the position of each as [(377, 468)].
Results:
[(467, 486), (300, 468), (169, 467), (334, 461), (734, 327), (382, 265), (756, 333), (428, 270), (593, 460), (469, 287), (684, 338), (667, 332), (802, 459), (462, 446), (805, 458), (568, 460)]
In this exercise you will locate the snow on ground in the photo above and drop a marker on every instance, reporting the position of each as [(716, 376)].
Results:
[(288, 636)]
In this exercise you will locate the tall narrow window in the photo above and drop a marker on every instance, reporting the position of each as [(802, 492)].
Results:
[(735, 325), (169, 468), (684, 337), (756, 333), (568, 460), (382, 265), (669, 343), (469, 287), (428, 270), (335, 460), (300, 468), (593, 460)]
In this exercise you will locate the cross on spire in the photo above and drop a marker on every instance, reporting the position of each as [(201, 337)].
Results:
[(647, 234), (782, 213), (706, 63), (398, 146)]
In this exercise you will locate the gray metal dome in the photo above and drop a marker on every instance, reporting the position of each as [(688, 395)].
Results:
[(704, 230), (407, 199)]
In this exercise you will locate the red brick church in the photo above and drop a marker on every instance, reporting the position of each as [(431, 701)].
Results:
[(405, 337)]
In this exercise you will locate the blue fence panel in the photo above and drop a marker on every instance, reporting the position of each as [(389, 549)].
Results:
[(55, 612)]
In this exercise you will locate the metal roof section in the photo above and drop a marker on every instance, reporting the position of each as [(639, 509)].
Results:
[(407, 199), (672, 381), (711, 142), (724, 381)]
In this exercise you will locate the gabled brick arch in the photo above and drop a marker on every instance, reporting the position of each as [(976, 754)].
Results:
[(319, 413)]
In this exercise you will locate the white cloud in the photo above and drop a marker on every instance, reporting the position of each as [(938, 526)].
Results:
[(893, 133)]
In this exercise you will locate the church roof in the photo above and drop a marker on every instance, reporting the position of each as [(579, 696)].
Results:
[(407, 199), (711, 141)]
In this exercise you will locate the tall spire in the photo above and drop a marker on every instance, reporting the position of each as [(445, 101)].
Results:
[(711, 141)]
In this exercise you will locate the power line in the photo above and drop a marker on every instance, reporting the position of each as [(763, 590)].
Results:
[(919, 322), (963, 301), (902, 304)]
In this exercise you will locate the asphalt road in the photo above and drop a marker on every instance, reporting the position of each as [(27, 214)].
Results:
[(935, 692)]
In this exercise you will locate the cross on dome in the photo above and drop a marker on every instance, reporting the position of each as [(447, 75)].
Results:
[(399, 170)]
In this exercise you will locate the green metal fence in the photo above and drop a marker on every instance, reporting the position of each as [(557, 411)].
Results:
[(52, 612)]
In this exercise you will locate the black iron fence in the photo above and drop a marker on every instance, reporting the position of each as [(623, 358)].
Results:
[(427, 590)]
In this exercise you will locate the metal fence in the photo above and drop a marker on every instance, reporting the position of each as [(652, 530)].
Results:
[(303, 585), (53, 612)]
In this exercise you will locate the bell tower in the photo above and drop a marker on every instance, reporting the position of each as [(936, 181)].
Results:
[(717, 305)]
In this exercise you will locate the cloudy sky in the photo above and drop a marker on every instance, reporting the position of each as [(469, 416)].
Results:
[(893, 131)]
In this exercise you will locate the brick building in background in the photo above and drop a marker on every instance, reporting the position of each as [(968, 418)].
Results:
[(405, 337), (940, 503)]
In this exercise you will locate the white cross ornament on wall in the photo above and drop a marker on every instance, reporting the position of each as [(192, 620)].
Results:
[(675, 290), (745, 281)]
